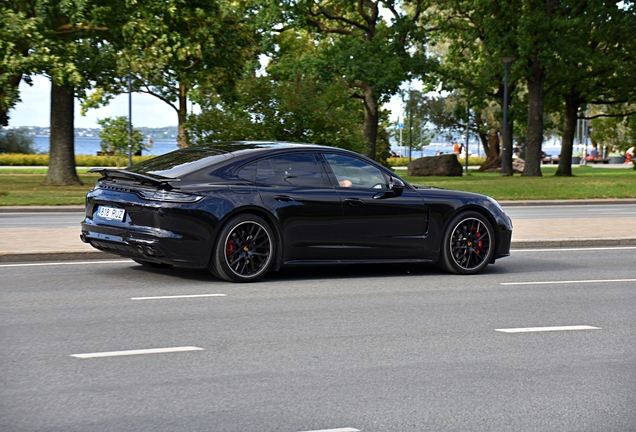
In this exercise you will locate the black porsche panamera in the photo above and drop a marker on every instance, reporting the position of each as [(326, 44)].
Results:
[(242, 209)]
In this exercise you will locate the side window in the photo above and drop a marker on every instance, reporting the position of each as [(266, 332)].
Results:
[(355, 173), (248, 172), (296, 169)]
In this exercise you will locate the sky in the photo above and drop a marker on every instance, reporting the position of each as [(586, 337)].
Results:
[(147, 111), (35, 110)]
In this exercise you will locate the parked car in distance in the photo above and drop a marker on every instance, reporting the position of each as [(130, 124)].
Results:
[(242, 209)]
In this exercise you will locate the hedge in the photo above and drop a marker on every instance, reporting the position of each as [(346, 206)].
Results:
[(19, 159)]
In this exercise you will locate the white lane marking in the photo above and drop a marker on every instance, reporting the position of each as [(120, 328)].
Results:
[(178, 296), (66, 263), (136, 352), (346, 429), (547, 329), (568, 282), (576, 249)]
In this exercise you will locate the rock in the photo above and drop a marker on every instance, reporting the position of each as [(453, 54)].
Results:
[(443, 165), (518, 165)]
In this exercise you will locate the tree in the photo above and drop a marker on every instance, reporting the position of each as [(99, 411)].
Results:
[(15, 141), (114, 136), (599, 67), (373, 56), (471, 38), (66, 40), (298, 109), (178, 50)]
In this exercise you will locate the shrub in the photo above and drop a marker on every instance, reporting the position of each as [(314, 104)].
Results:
[(18, 159), (15, 141)]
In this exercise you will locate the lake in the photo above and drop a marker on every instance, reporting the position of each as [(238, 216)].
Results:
[(90, 146)]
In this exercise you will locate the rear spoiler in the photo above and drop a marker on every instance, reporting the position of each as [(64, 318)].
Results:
[(111, 174)]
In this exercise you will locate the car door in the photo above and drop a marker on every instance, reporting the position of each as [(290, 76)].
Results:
[(379, 223), (295, 188)]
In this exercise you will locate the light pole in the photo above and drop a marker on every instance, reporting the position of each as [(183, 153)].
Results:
[(129, 122), (466, 148), (506, 61)]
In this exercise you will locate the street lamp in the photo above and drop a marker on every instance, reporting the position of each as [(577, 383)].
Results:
[(129, 122), (506, 61)]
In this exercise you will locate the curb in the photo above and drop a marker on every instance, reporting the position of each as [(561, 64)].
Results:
[(43, 209), (21, 257), (568, 243), (53, 256)]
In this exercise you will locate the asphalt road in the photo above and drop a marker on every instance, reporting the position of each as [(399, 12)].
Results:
[(73, 219), (400, 348)]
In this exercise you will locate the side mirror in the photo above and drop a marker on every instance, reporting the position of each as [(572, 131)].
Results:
[(396, 185)]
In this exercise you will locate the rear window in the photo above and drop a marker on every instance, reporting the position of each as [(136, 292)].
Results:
[(180, 162)]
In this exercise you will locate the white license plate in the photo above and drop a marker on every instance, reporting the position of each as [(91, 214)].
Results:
[(111, 213)]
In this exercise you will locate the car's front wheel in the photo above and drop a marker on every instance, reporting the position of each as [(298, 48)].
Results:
[(244, 249), (468, 244)]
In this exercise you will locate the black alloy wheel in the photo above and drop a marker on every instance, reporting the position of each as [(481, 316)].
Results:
[(468, 244), (244, 249)]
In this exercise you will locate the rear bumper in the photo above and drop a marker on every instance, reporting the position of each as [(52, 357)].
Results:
[(161, 247)]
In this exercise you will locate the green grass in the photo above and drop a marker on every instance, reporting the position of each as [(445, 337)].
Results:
[(587, 183), (24, 186), (42, 170), (27, 189)]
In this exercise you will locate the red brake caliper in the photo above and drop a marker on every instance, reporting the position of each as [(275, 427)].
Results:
[(480, 243), (229, 248)]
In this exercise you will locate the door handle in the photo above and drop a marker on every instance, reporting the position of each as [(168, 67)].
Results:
[(354, 201), (283, 198)]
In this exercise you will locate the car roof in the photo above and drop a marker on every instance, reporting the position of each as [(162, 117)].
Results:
[(191, 159)]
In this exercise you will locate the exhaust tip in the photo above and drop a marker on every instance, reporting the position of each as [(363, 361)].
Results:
[(83, 238)]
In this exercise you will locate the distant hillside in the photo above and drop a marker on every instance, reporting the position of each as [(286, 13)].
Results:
[(168, 132)]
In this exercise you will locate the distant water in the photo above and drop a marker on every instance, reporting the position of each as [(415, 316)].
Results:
[(90, 146)]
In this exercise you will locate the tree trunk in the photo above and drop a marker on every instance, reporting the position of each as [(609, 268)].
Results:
[(534, 136), (490, 143), (572, 103), (370, 121), (62, 151), (182, 140), (491, 146)]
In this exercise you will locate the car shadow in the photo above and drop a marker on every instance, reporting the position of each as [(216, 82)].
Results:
[(317, 272)]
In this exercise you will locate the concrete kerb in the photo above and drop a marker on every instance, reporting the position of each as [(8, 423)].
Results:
[(54, 256)]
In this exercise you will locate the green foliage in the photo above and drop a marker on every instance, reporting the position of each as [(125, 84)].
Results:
[(114, 136), (614, 133), (15, 141), (302, 109), (177, 50)]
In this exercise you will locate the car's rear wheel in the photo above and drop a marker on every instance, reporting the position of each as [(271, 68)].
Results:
[(244, 249), (468, 244)]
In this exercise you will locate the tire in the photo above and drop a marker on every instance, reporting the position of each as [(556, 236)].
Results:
[(468, 244), (244, 249), (151, 264)]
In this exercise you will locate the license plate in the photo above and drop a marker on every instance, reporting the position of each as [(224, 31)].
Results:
[(111, 213)]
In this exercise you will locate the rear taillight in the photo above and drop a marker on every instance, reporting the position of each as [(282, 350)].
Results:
[(166, 196)]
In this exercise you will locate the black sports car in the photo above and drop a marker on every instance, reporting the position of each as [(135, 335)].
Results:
[(244, 208)]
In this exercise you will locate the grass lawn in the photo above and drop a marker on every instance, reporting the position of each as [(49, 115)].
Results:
[(24, 186), (26, 189), (587, 182)]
